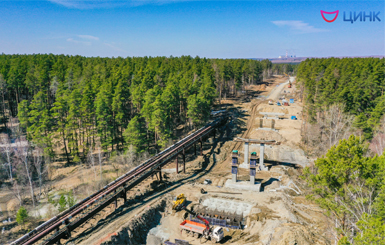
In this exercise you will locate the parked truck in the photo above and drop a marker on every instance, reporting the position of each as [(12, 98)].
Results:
[(202, 230)]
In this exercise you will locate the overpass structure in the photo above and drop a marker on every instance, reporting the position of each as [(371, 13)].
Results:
[(61, 226)]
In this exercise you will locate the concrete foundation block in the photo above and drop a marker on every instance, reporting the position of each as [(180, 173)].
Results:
[(243, 185)]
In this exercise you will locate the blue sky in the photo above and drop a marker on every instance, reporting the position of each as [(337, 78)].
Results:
[(214, 29)]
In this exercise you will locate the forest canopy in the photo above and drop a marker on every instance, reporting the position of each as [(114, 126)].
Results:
[(75, 102), (356, 83)]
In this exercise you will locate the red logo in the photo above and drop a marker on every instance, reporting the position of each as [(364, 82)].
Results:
[(324, 12)]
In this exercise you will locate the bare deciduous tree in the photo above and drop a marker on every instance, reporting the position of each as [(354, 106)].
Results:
[(5, 148), (336, 124), (332, 125), (100, 159), (40, 167), (91, 160), (378, 143), (22, 156)]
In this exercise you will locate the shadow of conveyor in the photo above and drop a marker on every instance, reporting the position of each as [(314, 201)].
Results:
[(166, 187), (271, 163)]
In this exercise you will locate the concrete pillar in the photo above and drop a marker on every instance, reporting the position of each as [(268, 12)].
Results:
[(246, 153), (234, 178), (125, 196), (252, 180), (234, 171), (160, 174), (262, 151), (201, 146), (195, 149), (177, 165)]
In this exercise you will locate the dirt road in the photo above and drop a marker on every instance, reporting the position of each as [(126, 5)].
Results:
[(274, 95)]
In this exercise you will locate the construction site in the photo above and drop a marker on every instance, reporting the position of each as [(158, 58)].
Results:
[(239, 184)]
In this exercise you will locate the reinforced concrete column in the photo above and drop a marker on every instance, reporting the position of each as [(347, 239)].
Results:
[(201, 146), (234, 166), (252, 179), (234, 176), (261, 154), (246, 153), (177, 165), (160, 174)]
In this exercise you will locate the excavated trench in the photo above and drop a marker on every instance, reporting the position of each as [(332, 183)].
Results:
[(136, 230)]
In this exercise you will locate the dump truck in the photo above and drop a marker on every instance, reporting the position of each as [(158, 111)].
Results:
[(179, 202), (201, 230)]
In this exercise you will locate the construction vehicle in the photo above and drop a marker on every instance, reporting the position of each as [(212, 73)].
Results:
[(201, 230), (271, 102), (179, 202), (289, 85)]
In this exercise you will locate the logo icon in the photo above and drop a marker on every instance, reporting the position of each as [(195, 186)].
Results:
[(334, 12)]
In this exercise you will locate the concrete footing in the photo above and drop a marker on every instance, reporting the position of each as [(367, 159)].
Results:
[(243, 185)]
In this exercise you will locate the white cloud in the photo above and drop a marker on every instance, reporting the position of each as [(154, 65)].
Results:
[(114, 47), (298, 26), (93, 4), (88, 37), (88, 4), (71, 40)]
